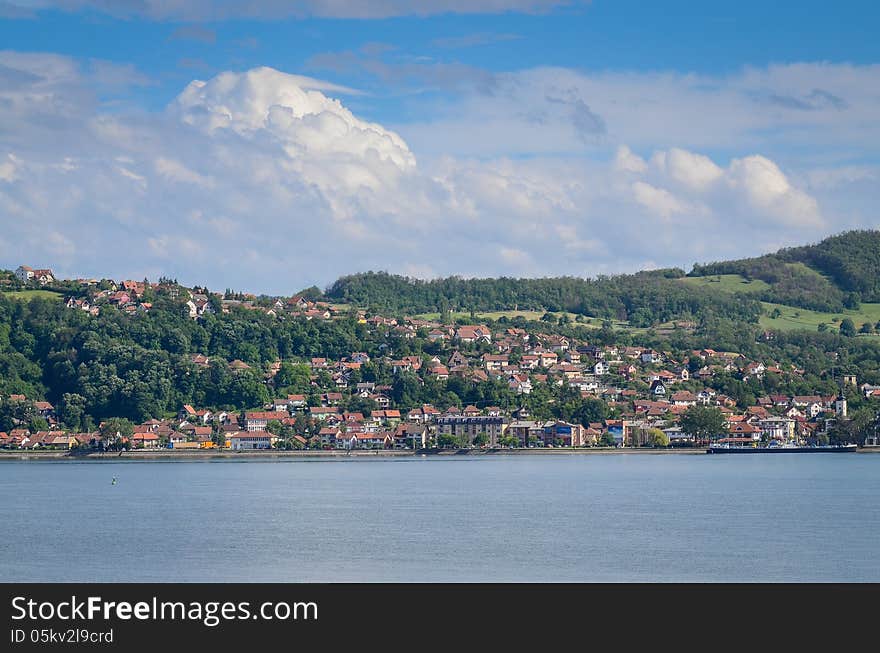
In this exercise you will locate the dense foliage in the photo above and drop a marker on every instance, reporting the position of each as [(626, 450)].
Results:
[(643, 299)]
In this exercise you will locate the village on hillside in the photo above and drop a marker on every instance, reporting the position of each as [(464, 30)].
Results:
[(649, 398)]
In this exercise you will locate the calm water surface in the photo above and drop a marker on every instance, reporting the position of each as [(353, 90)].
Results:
[(612, 518)]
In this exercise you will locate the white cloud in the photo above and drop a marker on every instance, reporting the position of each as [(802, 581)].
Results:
[(694, 171), (176, 171), (657, 200), (820, 109), (626, 161), (768, 189), (8, 168), (264, 181)]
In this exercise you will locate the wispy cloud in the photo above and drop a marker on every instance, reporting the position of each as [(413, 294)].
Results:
[(473, 40), (216, 10), (196, 33), (14, 11)]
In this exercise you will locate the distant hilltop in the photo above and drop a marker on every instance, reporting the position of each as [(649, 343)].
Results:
[(802, 287)]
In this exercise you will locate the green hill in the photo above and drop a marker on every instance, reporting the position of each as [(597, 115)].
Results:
[(827, 278), (831, 276)]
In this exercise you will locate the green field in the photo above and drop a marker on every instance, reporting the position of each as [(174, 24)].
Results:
[(28, 295), (792, 318), (731, 283)]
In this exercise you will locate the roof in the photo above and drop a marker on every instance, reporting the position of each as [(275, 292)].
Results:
[(263, 414)]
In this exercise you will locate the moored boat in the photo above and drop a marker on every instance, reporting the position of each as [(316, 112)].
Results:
[(782, 448)]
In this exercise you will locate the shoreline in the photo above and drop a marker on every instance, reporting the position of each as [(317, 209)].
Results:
[(180, 456)]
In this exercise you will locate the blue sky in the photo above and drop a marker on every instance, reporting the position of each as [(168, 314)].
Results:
[(532, 138)]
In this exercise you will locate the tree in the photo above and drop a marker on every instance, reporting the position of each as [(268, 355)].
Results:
[(296, 378), (116, 434), (508, 441), (607, 440), (703, 422), (446, 440), (657, 438), (72, 410), (847, 328), (480, 439), (855, 429)]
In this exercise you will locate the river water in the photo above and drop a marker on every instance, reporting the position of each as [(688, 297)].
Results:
[(608, 518)]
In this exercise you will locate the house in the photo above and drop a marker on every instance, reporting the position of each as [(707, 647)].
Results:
[(258, 420), (410, 436), (145, 440), (684, 398), (649, 356), (331, 398), (705, 397), (252, 441), (239, 366), (324, 412), (745, 430), (426, 413), (495, 362), (45, 409), (176, 438), (478, 333), (378, 440), (456, 359), (600, 368), (658, 388), (530, 361), (25, 274), (777, 428), (525, 431), (392, 416), (330, 436), (558, 343), (440, 372), (296, 401)]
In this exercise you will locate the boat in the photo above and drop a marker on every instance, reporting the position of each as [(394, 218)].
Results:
[(781, 448)]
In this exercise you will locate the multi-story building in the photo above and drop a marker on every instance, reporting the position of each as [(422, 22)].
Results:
[(458, 425)]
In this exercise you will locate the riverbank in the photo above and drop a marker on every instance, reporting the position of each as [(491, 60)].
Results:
[(207, 454)]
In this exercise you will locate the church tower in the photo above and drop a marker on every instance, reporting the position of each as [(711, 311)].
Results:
[(840, 405)]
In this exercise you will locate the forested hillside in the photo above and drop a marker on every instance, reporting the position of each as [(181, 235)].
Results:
[(643, 299), (840, 272)]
